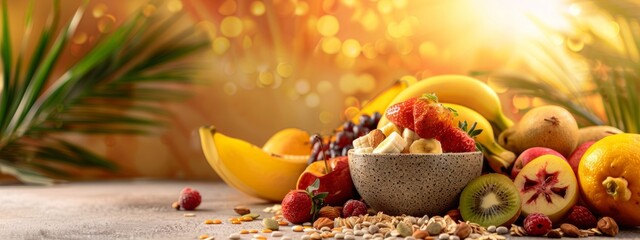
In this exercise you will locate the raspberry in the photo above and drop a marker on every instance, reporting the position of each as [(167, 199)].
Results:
[(189, 199), (354, 208), (582, 218), (537, 224)]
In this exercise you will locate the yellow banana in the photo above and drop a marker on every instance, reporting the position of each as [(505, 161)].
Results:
[(289, 141), (250, 169), (380, 102), (499, 158), (462, 90)]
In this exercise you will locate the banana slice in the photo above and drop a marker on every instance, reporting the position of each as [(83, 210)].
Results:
[(361, 142), (409, 136), (364, 150), (389, 128), (424, 145), (392, 144)]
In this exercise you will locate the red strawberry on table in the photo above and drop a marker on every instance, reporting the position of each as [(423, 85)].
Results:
[(401, 114), (300, 206)]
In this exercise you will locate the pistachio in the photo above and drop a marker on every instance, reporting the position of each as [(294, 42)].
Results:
[(404, 229), (434, 228), (270, 223)]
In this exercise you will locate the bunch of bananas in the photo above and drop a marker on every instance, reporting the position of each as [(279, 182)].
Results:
[(271, 171)]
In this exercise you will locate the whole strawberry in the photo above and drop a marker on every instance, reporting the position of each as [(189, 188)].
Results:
[(401, 114), (354, 208), (431, 119), (189, 199), (460, 139), (300, 206), (297, 206), (537, 224), (582, 218)]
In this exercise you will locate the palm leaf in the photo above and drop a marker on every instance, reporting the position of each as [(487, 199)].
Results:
[(118, 87), (614, 70)]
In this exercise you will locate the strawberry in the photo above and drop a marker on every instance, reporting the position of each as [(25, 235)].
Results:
[(401, 114), (189, 199), (430, 118), (582, 218), (300, 206), (460, 139)]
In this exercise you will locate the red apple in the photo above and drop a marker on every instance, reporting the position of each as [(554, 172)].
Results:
[(576, 155), (337, 183), (528, 156)]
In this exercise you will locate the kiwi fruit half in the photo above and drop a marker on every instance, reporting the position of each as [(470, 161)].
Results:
[(490, 199)]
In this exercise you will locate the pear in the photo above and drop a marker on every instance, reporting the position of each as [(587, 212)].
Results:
[(545, 126)]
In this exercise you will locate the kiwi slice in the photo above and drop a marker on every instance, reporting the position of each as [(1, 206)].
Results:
[(490, 199)]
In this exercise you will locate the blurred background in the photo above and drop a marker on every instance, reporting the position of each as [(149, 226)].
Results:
[(273, 64)]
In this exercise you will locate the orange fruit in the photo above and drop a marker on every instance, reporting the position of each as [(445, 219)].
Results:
[(609, 177)]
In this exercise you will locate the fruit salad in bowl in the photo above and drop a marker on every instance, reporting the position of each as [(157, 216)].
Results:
[(419, 162)]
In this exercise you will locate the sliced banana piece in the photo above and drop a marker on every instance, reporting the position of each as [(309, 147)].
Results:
[(361, 142), (392, 144), (424, 145), (409, 136), (389, 128), (364, 150)]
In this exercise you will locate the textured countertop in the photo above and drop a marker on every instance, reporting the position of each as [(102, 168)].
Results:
[(130, 210)]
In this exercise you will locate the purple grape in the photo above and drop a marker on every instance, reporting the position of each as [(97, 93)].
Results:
[(342, 139), (360, 131), (365, 120), (345, 150), (348, 126)]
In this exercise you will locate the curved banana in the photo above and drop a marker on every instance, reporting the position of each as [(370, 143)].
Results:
[(250, 169), (499, 158), (380, 102), (462, 90), (289, 141)]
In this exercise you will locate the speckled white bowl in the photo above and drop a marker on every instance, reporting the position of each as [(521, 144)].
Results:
[(413, 184)]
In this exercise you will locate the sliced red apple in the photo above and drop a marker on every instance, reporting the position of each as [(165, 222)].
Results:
[(547, 185)]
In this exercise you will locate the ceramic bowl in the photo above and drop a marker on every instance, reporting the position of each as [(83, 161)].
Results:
[(413, 184)]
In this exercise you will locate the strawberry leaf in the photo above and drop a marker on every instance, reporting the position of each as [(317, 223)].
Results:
[(431, 97)]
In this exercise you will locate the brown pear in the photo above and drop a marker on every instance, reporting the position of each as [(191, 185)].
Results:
[(546, 126)]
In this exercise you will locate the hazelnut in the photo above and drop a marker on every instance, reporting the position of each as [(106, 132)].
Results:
[(323, 222), (608, 226), (454, 214), (329, 212), (175, 205), (555, 233), (376, 136), (463, 230)]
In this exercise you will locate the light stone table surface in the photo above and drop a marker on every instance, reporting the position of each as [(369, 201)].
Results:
[(131, 210)]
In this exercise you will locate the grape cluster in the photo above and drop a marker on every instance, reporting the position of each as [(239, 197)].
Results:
[(341, 141)]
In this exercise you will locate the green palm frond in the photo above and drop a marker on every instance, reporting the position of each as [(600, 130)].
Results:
[(612, 75), (116, 88)]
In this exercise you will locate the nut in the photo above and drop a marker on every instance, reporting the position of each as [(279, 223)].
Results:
[(570, 230), (434, 228), (462, 230), (323, 222), (270, 224), (555, 233), (175, 205), (329, 212), (242, 210), (376, 136), (608, 226), (454, 214), (420, 234), (404, 229)]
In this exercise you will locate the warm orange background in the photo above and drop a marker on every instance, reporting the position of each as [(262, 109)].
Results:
[(280, 69)]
